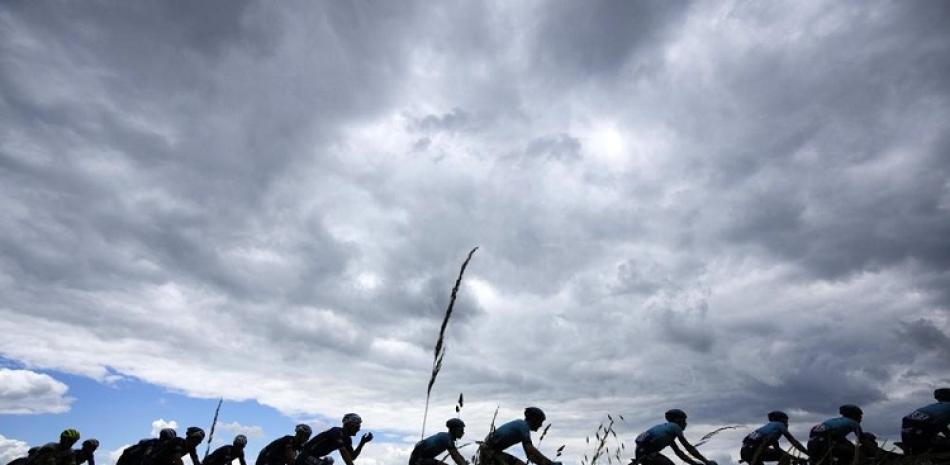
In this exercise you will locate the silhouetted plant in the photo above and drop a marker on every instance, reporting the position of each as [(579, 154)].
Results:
[(214, 422), (602, 450), (439, 353), (706, 437)]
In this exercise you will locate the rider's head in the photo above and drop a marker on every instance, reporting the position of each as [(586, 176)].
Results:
[(240, 441), (779, 416), (456, 427), (942, 394), (90, 445), (676, 416), (301, 433), (351, 424), (166, 434), (851, 411), (535, 417), (68, 437), (193, 436)]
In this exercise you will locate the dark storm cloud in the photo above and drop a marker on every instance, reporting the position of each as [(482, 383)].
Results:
[(927, 335), (728, 208), (841, 173), (578, 41)]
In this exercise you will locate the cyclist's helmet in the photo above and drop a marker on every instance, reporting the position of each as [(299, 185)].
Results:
[(195, 432), (303, 430), (851, 411), (534, 412), (675, 415), (778, 415)]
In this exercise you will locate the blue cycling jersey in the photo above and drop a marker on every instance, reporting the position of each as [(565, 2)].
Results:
[(836, 428), (509, 434), (937, 415), (659, 437), (768, 433), (432, 446)]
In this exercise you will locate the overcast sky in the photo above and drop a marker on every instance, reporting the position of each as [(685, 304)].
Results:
[(726, 207)]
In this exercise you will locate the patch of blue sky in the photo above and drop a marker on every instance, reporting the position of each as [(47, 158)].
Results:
[(122, 412)]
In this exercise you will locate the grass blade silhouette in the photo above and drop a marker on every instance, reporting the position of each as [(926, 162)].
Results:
[(214, 421), (439, 353), (713, 433), (491, 430), (543, 434)]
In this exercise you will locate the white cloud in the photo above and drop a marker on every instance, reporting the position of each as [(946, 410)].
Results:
[(116, 453), (236, 428), (384, 453), (160, 424), (12, 449), (28, 392)]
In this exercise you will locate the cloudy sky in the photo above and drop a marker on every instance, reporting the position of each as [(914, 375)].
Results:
[(726, 207)]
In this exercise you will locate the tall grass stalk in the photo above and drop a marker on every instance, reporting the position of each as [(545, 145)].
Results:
[(214, 422), (602, 450), (713, 433), (439, 353), (491, 430), (544, 433)]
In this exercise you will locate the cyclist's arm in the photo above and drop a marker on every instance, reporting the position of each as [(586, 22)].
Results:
[(534, 454), (456, 456), (346, 455), (682, 456), (858, 432), (795, 442), (356, 452), (194, 457), (689, 448)]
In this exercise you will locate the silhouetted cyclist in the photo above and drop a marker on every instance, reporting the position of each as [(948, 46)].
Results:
[(87, 453), (136, 453), (428, 449), (828, 441), (284, 450), (171, 451), (927, 429), (492, 450), (224, 455), (762, 444), (317, 449), (57, 453), (652, 441), (872, 453)]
